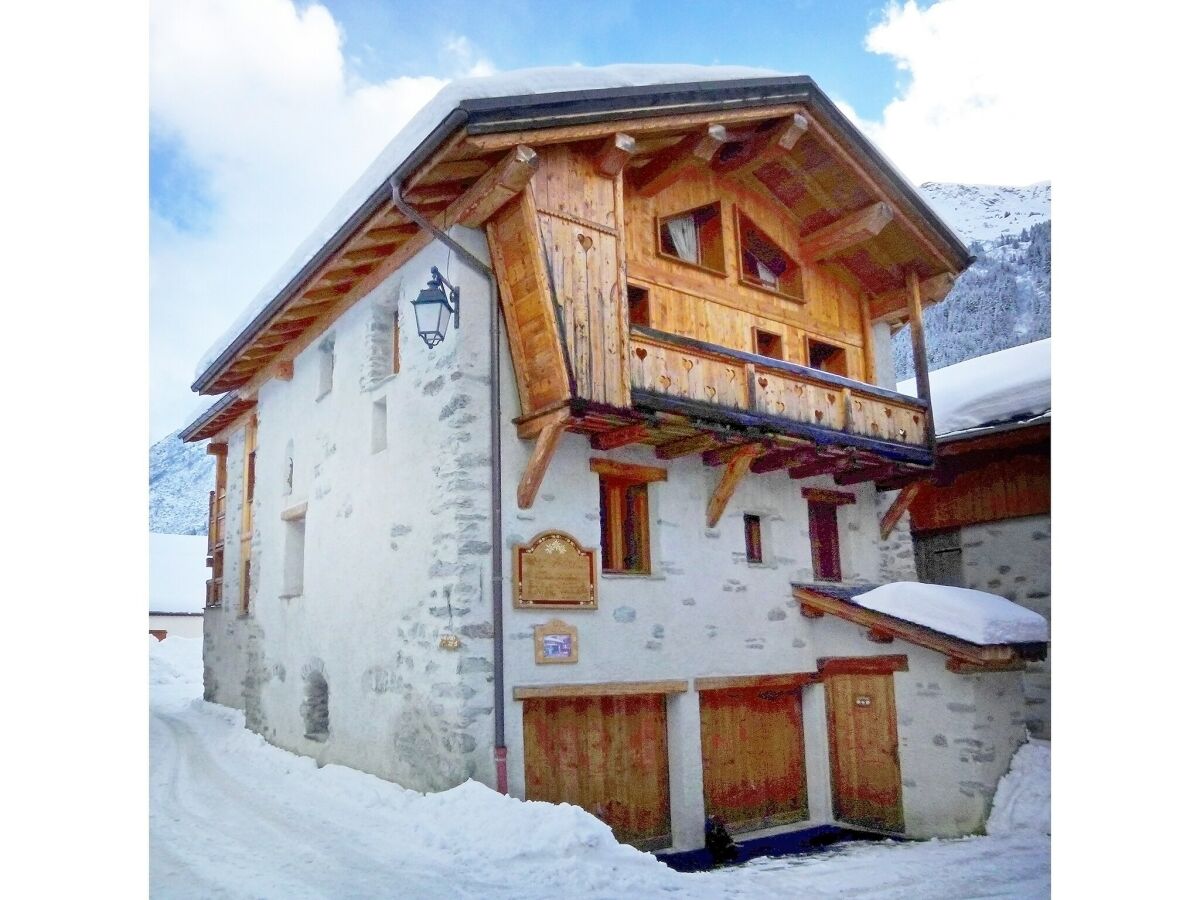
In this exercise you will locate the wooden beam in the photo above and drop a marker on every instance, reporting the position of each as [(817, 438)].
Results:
[(215, 449), (809, 611), (722, 455), (502, 183), (614, 469), (603, 689), (614, 154), (619, 437), (763, 148), (962, 667), (848, 231), (898, 508), (543, 452), (693, 151), (821, 495), (783, 458), (868, 336), (916, 325), (893, 306), (638, 128), (862, 665), (867, 473), (806, 178), (286, 370), (373, 252), (686, 446), (818, 466), (878, 635), (734, 472), (735, 682)]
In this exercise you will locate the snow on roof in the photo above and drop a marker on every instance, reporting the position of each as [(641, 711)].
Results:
[(1006, 386), (178, 572), (974, 616), (520, 82)]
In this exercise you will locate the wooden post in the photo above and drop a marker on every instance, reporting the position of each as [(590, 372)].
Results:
[(916, 324)]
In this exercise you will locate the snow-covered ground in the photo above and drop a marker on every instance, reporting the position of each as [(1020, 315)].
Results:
[(232, 816)]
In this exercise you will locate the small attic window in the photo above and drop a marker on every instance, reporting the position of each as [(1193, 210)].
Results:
[(827, 357), (763, 264), (639, 305), (694, 237), (768, 344)]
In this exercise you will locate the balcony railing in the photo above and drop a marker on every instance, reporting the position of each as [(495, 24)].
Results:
[(677, 372)]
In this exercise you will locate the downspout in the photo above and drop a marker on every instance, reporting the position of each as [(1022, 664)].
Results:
[(474, 262)]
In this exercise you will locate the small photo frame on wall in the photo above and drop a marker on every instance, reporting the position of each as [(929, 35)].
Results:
[(555, 642)]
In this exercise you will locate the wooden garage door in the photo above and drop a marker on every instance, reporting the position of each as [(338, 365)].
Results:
[(605, 754), (752, 742), (864, 751)]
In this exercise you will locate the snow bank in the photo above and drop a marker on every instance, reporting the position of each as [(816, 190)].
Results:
[(1006, 386), (1022, 801), (974, 616), (178, 572), (507, 84)]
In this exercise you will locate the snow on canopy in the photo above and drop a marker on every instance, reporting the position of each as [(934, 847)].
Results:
[(520, 82), (178, 572), (974, 616), (1006, 386)]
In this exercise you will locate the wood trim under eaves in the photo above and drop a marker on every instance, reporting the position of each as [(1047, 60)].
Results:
[(602, 689)]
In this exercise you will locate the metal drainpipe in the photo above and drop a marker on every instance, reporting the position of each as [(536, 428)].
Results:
[(474, 262)]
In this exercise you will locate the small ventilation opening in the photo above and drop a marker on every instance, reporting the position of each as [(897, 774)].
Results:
[(639, 306), (325, 372), (316, 707), (826, 357), (768, 344)]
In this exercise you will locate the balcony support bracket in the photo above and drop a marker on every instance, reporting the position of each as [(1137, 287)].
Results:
[(735, 470)]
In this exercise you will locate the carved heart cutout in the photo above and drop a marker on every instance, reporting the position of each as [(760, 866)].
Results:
[(779, 407), (820, 414), (830, 397), (858, 404), (916, 420), (711, 391), (585, 242), (730, 374), (874, 428), (665, 381), (888, 412), (762, 382), (687, 365), (640, 352)]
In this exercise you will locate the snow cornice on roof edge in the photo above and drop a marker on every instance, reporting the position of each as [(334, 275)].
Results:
[(537, 111)]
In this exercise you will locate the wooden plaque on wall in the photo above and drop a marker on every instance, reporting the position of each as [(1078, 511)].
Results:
[(554, 571)]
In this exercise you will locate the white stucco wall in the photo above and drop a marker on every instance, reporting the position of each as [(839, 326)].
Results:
[(1012, 558), (397, 545)]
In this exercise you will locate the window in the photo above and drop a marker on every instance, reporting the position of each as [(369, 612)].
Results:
[(827, 357), (216, 534), (250, 452), (325, 373), (823, 535), (939, 557), (379, 425), (694, 237), (625, 515), (763, 264), (293, 551), (754, 550), (639, 306), (768, 344)]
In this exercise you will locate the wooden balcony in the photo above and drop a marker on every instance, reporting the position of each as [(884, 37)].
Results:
[(677, 374)]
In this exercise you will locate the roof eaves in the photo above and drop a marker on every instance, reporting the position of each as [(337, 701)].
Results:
[(193, 428)]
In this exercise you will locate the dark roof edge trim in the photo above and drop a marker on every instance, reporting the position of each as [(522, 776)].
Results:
[(189, 431)]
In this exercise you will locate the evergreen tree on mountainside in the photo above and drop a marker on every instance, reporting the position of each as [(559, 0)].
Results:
[(1002, 301)]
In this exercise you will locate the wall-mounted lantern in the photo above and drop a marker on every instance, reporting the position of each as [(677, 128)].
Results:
[(434, 306)]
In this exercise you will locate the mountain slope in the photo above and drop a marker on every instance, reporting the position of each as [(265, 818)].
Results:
[(1003, 300), (181, 475)]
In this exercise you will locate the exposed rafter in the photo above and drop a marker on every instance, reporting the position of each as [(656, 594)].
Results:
[(613, 155), (762, 148), (848, 231), (693, 151), (893, 306)]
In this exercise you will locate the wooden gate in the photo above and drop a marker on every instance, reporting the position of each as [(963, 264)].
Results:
[(864, 750), (752, 745), (607, 755)]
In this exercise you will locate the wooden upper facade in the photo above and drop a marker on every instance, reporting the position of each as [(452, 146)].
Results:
[(695, 267)]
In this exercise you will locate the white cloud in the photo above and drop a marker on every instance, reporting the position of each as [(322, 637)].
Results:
[(975, 103), (256, 95)]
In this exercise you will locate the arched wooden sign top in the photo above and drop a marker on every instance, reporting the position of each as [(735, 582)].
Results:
[(554, 571)]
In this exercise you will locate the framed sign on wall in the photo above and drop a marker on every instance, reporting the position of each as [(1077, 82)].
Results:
[(554, 571), (555, 642)]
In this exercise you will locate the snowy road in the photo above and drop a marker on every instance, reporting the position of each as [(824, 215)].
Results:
[(231, 816)]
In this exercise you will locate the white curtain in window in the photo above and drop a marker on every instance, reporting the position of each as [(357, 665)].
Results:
[(765, 275), (683, 236)]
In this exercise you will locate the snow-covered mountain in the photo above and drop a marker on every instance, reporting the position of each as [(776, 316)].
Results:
[(181, 475), (1002, 301)]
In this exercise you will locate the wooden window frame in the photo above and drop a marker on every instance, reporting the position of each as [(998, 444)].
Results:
[(249, 457), (645, 299), (214, 593), (660, 222), (625, 516), (820, 514), (793, 270), (756, 332), (809, 340), (752, 525)]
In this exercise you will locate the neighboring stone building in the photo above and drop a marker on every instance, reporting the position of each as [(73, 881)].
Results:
[(984, 521), (620, 561)]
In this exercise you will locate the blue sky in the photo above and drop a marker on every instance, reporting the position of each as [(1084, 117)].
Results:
[(263, 112)]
